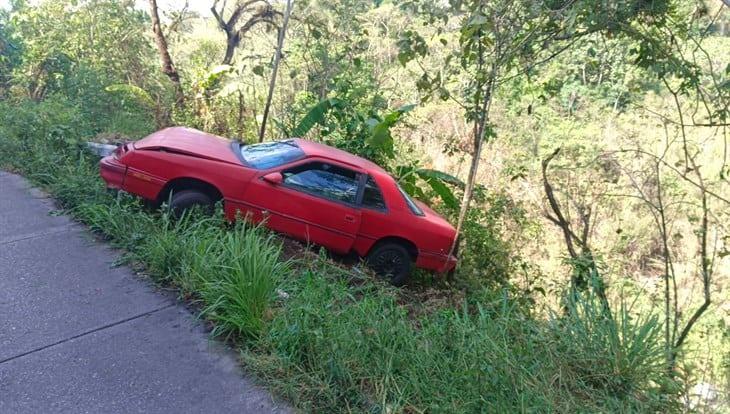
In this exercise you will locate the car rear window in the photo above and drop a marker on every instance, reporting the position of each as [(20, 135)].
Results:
[(271, 154), (411, 204)]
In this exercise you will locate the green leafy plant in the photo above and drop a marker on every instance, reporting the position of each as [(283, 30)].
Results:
[(317, 115)]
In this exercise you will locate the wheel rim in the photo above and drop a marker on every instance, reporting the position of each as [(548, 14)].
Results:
[(389, 263)]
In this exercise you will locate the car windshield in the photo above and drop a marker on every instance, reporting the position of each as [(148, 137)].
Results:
[(411, 204), (271, 154)]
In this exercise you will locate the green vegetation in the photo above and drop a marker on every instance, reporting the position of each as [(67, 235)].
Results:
[(341, 341), (582, 147)]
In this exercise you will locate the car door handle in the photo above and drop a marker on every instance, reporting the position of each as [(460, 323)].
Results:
[(350, 218)]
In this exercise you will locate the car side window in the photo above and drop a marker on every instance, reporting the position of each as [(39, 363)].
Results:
[(324, 180), (372, 196)]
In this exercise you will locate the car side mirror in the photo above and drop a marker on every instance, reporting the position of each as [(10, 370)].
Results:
[(274, 178)]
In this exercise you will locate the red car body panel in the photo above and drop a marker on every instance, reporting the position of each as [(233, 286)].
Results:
[(147, 166)]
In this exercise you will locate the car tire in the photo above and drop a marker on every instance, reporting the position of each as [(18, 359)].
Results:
[(187, 199), (392, 262)]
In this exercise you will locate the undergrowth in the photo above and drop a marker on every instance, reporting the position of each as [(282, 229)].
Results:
[(329, 340)]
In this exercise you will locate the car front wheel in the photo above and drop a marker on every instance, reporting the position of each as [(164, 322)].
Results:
[(188, 199), (392, 262)]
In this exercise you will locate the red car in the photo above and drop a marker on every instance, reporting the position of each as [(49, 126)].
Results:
[(304, 189)]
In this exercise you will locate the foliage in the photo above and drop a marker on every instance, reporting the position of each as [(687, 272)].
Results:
[(316, 115), (52, 51), (372, 138), (366, 352), (341, 343)]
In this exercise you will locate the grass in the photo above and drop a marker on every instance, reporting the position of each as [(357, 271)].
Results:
[(338, 342)]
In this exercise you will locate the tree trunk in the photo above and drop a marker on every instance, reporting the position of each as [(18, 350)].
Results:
[(232, 40), (168, 68), (480, 127), (277, 58)]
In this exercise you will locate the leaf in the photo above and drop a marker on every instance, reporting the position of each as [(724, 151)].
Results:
[(406, 108), (477, 20), (380, 137), (489, 132), (372, 123), (444, 192), (407, 181), (258, 70), (211, 78), (410, 44), (230, 88), (219, 70), (439, 175), (437, 179), (316, 115), (444, 94), (424, 83)]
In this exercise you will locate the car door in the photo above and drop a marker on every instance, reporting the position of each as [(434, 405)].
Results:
[(315, 201)]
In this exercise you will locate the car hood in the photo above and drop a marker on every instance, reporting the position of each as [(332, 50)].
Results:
[(191, 142)]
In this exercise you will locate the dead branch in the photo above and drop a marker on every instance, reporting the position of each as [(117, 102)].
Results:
[(258, 11)]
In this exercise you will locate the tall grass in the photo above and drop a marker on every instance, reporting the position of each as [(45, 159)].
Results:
[(335, 353), (233, 271), (242, 285), (615, 352)]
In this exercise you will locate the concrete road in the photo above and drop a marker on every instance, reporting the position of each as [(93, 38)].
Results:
[(80, 336)]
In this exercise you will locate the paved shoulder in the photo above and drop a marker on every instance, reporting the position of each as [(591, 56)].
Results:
[(77, 335)]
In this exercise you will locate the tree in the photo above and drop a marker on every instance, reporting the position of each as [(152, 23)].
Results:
[(500, 40), (258, 11), (674, 52), (275, 69), (168, 67), (9, 54), (676, 179)]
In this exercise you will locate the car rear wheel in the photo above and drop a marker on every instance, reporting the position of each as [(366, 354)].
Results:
[(392, 262), (189, 199)]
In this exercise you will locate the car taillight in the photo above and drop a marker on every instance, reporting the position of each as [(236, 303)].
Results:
[(121, 149)]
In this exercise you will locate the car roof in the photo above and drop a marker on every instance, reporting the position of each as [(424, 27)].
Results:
[(316, 149)]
